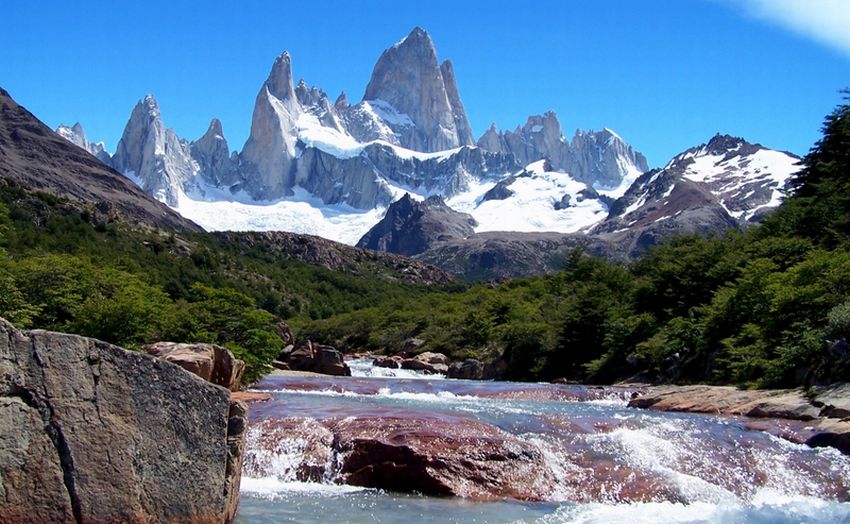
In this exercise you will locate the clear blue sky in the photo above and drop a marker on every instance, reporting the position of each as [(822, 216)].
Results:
[(664, 74)]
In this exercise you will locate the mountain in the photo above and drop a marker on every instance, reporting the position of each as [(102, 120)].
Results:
[(412, 82), (410, 227), (400, 172), (154, 156), (724, 183), (34, 157), (600, 159), (217, 166), (77, 136)]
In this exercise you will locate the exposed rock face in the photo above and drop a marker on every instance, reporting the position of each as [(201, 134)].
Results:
[(266, 159), (154, 155), (409, 78), (33, 156), (595, 158), (211, 362), (712, 187), (410, 227), (93, 433), (77, 136), (659, 205), (599, 157), (216, 164), (539, 138), (464, 131)]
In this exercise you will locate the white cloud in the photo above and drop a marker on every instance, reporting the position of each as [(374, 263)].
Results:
[(826, 21)]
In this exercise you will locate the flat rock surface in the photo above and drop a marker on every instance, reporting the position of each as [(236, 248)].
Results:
[(817, 421)]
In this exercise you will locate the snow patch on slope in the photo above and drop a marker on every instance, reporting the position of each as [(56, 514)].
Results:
[(734, 177), (532, 206), (301, 213)]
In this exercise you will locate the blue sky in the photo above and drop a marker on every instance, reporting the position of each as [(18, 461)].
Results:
[(665, 74)]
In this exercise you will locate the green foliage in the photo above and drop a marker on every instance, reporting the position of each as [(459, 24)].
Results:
[(61, 270)]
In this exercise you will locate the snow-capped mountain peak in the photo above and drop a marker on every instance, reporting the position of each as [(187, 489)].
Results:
[(77, 136)]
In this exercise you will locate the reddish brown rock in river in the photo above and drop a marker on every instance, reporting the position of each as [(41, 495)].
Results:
[(440, 456), (818, 419)]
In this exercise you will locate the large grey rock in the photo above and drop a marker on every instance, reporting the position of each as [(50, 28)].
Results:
[(154, 155), (603, 159), (409, 79), (91, 432), (32, 481), (410, 227)]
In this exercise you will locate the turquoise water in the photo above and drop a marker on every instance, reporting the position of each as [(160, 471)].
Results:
[(705, 469)]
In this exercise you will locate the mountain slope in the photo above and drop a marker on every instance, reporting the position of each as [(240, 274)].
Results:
[(410, 227), (33, 156), (724, 183)]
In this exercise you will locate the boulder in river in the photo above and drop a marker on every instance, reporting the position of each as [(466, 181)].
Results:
[(316, 358), (392, 362), (440, 456), (429, 362), (470, 369), (90, 432)]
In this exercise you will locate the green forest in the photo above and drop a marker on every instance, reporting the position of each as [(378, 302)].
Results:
[(767, 307)]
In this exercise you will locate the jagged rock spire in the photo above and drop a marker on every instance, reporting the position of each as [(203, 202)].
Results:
[(409, 78)]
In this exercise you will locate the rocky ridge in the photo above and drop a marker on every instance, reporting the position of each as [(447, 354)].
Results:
[(334, 256), (599, 159), (34, 157), (77, 136)]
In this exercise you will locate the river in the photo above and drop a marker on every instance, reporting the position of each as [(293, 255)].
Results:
[(596, 460)]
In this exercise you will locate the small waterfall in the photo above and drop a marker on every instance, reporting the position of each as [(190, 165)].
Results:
[(362, 367)]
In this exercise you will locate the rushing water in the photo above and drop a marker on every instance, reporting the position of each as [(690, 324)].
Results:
[(609, 463)]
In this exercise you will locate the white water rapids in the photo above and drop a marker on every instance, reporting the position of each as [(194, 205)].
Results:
[(608, 463)]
